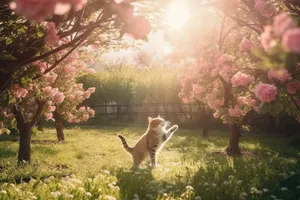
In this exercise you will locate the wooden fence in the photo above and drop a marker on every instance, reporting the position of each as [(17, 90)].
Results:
[(131, 111)]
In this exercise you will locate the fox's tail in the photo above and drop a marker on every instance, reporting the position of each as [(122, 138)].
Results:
[(125, 145)]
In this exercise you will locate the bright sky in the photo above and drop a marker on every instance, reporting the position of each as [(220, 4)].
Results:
[(156, 43)]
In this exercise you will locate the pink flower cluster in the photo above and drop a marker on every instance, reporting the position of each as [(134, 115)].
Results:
[(241, 79), (235, 112), (293, 87), (49, 91), (265, 92), (265, 8), (41, 66), (283, 28), (51, 35), (38, 10), (245, 45), (82, 114), (248, 101), (279, 74), (18, 91), (291, 40), (198, 89)]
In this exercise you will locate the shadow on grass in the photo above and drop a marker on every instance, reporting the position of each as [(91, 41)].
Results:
[(45, 150), (142, 183), (7, 153)]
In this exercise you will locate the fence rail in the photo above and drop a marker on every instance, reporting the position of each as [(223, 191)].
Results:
[(187, 111)]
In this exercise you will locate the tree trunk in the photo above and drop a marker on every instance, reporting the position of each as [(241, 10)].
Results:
[(25, 140), (233, 146), (205, 131), (25, 137), (59, 125)]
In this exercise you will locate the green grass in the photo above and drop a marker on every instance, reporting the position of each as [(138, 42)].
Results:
[(188, 168)]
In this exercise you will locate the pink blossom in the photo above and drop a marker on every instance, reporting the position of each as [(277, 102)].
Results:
[(38, 10), (282, 22), (216, 115), (266, 9), (85, 117), (280, 74), (41, 66), (214, 72), (91, 112), (48, 116), (92, 89), (59, 97), (81, 109), (70, 97), (18, 92), (293, 87), (260, 5), (139, 27), (265, 92), (266, 38), (86, 94), (241, 79), (222, 60), (35, 10), (51, 108), (235, 112), (48, 91), (51, 36), (291, 40), (198, 89), (91, 71), (245, 45)]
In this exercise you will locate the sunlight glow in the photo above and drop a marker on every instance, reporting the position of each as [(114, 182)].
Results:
[(177, 14)]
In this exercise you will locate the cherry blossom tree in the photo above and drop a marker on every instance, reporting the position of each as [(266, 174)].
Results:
[(242, 63), (45, 35)]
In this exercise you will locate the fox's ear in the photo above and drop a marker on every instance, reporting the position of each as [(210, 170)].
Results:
[(159, 116), (150, 119)]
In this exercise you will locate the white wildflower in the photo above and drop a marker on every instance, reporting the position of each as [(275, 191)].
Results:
[(239, 182), (197, 198), (3, 192), (283, 189), (259, 192), (105, 172), (213, 185), (189, 188), (298, 187), (273, 197), (292, 173), (136, 196), (205, 184), (55, 194), (81, 189), (108, 197), (230, 176), (226, 183), (265, 190), (244, 194), (88, 194)]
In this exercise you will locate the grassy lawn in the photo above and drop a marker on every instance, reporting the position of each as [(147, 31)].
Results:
[(92, 164)]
